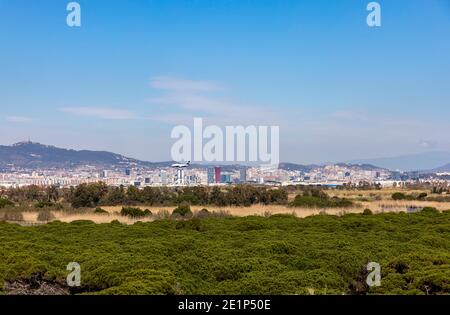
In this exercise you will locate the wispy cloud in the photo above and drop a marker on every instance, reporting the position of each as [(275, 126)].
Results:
[(200, 98), (428, 144), (100, 112), (183, 85), (196, 102), (18, 119)]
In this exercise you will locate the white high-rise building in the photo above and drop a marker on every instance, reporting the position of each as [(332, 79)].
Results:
[(180, 176)]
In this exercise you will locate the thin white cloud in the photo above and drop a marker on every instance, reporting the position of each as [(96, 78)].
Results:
[(177, 84), (428, 144), (196, 102), (18, 119), (196, 99), (100, 112)]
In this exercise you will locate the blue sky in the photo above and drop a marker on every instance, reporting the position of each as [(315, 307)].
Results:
[(338, 89)]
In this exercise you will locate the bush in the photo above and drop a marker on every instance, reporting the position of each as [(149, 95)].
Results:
[(99, 210), (429, 210), (422, 196), (192, 224), (204, 213), (48, 204), (13, 216), (367, 212), (134, 212), (184, 210), (319, 199), (402, 196), (398, 196), (5, 203), (241, 255), (45, 216), (43, 204)]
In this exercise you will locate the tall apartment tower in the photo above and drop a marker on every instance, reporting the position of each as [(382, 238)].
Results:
[(180, 176), (217, 173), (243, 175)]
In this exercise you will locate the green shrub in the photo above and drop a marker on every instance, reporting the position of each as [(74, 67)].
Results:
[(318, 199), (367, 212), (398, 196), (48, 204), (184, 210), (422, 196), (204, 213), (402, 196), (429, 210), (192, 224), (134, 212), (44, 204), (6, 203), (99, 210)]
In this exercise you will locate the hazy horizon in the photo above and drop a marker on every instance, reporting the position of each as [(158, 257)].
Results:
[(408, 162)]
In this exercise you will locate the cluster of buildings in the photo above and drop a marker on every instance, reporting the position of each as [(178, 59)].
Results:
[(185, 175)]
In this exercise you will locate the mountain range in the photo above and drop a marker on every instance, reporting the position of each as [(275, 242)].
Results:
[(445, 168), (427, 161), (32, 155)]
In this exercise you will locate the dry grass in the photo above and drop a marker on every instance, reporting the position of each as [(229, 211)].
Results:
[(379, 201), (97, 218), (383, 194), (375, 206), (402, 205)]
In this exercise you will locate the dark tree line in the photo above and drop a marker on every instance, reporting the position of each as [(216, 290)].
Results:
[(99, 194)]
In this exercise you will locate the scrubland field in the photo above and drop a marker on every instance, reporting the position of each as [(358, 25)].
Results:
[(113, 212), (280, 254), (312, 241), (377, 200)]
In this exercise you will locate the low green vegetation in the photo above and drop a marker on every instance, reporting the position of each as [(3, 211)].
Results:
[(403, 196), (99, 210), (183, 210), (279, 254), (135, 212), (319, 199), (6, 203), (430, 210), (48, 204)]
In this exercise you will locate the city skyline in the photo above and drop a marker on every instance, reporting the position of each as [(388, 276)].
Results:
[(338, 89)]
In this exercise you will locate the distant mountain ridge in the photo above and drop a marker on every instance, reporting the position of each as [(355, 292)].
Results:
[(296, 167), (35, 155), (307, 168), (411, 162), (441, 169)]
